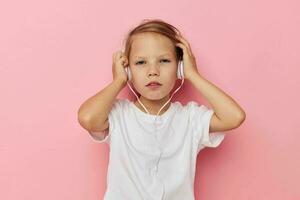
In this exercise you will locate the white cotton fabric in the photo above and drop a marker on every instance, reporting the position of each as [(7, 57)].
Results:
[(147, 165)]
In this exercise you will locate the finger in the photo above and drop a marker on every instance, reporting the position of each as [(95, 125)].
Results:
[(184, 48), (122, 53), (119, 54), (116, 55), (188, 48), (123, 58), (184, 41)]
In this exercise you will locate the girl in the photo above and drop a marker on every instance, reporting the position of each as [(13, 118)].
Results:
[(154, 142)]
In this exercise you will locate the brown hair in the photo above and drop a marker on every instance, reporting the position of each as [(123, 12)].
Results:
[(154, 26)]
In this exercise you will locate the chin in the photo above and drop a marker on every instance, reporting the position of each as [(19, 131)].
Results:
[(155, 96)]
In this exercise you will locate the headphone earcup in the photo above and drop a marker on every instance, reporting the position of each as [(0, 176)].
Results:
[(180, 74), (128, 71)]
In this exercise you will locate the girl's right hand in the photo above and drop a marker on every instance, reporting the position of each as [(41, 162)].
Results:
[(120, 61)]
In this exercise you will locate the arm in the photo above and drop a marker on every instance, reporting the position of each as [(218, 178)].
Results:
[(93, 113), (228, 114)]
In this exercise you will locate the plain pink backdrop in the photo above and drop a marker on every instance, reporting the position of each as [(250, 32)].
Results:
[(56, 54)]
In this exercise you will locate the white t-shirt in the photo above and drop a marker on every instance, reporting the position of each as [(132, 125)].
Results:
[(148, 165)]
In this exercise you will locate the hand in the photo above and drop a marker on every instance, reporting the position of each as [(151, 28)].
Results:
[(120, 61), (189, 61)]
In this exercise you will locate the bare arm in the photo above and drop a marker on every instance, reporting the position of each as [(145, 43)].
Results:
[(93, 113), (228, 114)]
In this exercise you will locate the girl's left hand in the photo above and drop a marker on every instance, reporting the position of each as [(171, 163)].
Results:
[(189, 61)]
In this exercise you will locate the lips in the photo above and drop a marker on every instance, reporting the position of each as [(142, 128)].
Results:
[(153, 83)]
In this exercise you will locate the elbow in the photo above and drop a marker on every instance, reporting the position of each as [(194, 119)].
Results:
[(240, 118), (83, 121), (82, 117)]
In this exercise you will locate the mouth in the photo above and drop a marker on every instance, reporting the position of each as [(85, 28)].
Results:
[(153, 85)]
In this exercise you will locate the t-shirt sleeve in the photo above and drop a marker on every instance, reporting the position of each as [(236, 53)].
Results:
[(105, 136), (200, 119)]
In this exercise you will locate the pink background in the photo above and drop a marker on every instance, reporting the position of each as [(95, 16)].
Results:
[(56, 54)]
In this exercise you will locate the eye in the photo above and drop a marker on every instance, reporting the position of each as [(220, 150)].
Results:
[(166, 60), (141, 62), (138, 62)]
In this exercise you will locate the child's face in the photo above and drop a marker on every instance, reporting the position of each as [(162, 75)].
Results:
[(153, 58)]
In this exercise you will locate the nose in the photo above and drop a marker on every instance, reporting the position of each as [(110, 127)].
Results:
[(153, 70)]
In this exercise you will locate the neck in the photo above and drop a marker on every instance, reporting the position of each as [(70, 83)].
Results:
[(153, 106)]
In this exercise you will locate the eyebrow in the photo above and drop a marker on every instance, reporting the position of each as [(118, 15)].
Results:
[(166, 54)]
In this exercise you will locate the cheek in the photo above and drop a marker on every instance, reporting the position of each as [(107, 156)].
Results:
[(170, 81), (138, 82), (172, 74)]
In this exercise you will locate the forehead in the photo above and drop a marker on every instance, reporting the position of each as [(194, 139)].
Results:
[(145, 44)]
